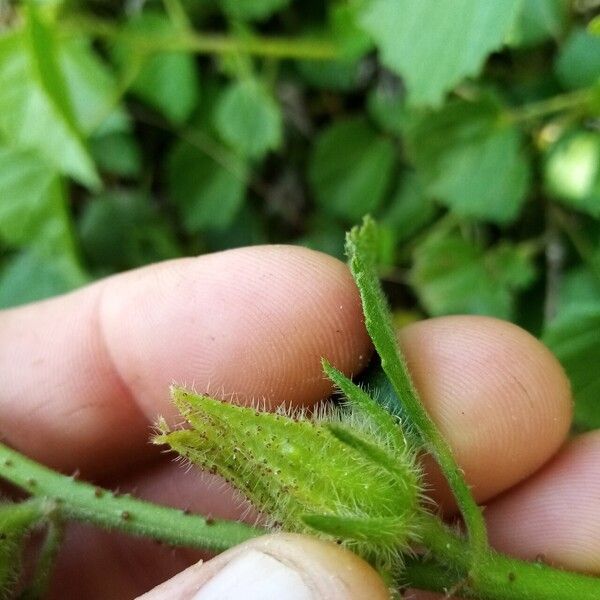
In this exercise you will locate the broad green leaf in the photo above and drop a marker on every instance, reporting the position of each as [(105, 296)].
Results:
[(32, 205), (325, 235), (253, 10), (573, 337), (350, 168), (538, 21), (34, 110), (117, 153), (579, 287), (578, 64), (208, 193), (249, 119), (435, 44), (349, 36), (35, 274), (452, 276), (409, 210), (386, 106), (341, 75), (92, 88), (471, 160), (167, 81), (33, 213), (572, 171), (122, 230)]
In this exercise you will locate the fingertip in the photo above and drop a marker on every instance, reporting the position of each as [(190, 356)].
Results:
[(555, 515), (498, 395), (278, 566), (249, 324)]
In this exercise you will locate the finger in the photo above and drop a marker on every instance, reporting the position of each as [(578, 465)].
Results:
[(85, 374), (555, 515), (497, 394), (483, 380), (277, 567)]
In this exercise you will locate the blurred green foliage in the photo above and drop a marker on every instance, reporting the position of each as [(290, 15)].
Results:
[(138, 131)]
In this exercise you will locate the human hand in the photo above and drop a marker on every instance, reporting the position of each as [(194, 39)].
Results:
[(86, 375)]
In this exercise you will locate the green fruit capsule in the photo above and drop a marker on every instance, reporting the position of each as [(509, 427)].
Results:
[(347, 476)]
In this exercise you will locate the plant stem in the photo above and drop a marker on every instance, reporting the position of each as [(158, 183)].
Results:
[(548, 106), (82, 501), (361, 250), (200, 43), (503, 578), (497, 577)]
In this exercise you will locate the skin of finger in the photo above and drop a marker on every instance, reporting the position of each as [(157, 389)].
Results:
[(499, 397), (429, 341), (329, 571), (86, 374), (555, 515)]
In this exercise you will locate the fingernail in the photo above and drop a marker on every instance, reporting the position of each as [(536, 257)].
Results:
[(254, 575)]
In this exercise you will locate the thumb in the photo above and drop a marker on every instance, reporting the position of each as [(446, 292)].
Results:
[(276, 567)]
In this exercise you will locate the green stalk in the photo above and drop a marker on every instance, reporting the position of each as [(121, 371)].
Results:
[(80, 501), (498, 577), (361, 250), (503, 578), (206, 43), (579, 99)]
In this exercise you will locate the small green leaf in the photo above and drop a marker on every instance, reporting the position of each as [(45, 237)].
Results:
[(34, 274), (167, 81), (249, 119), (340, 75), (435, 44), (471, 160), (92, 88), (573, 337), (578, 64), (538, 21), (34, 111), (388, 427), (350, 168), (208, 192), (410, 210), (452, 276), (387, 108), (117, 153), (572, 171), (253, 10), (122, 230)]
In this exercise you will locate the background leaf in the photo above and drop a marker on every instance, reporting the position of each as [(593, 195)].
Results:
[(573, 337), (453, 276), (208, 193), (434, 44), (32, 118), (350, 169), (249, 119), (578, 64), (167, 81), (470, 160)]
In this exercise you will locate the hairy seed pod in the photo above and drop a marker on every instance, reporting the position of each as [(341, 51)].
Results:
[(343, 481)]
